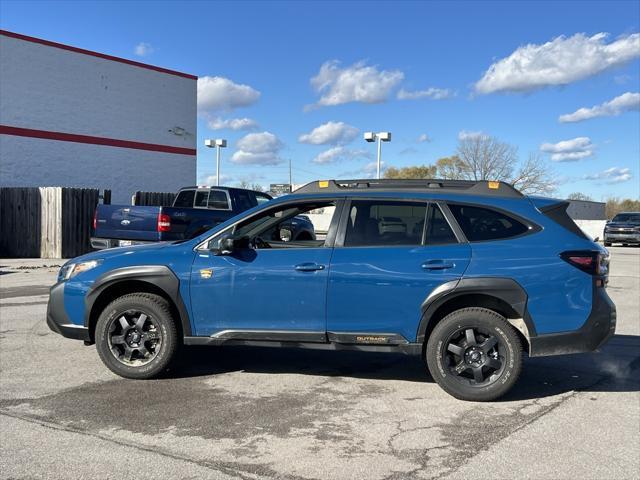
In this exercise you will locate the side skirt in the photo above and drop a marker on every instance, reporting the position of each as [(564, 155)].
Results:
[(364, 342)]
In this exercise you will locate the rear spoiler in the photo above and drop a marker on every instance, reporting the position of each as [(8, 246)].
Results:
[(556, 210)]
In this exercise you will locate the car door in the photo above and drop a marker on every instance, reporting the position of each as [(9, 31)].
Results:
[(274, 286), (389, 256)]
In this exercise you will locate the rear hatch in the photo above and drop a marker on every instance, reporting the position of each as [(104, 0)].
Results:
[(123, 222)]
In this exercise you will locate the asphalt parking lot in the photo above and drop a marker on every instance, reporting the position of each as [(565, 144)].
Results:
[(299, 414)]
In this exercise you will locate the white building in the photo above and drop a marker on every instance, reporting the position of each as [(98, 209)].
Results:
[(75, 118)]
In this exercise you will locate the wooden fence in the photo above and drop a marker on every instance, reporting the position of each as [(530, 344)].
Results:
[(154, 199), (20, 217), (47, 222)]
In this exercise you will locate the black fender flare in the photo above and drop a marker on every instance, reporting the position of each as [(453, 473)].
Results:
[(505, 289), (160, 276)]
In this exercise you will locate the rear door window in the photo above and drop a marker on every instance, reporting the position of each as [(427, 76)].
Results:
[(385, 223), (480, 224), (245, 200), (184, 199), (218, 200)]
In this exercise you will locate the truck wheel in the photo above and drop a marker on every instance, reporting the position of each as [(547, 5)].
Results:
[(136, 336), (474, 354)]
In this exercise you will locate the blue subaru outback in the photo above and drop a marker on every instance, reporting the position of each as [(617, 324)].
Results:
[(468, 275)]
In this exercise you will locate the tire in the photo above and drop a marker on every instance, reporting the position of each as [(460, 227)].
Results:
[(607, 244), (152, 340), (493, 349)]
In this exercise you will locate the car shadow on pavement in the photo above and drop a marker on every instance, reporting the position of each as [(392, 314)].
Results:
[(615, 368)]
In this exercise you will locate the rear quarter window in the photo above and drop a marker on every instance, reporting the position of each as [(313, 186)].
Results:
[(481, 224)]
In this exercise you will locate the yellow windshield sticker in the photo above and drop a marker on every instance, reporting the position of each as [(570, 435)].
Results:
[(323, 183), (494, 185)]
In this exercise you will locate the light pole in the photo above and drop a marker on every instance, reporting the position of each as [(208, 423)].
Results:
[(218, 143), (380, 137)]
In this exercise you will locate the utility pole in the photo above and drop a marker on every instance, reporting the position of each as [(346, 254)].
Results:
[(290, 178)]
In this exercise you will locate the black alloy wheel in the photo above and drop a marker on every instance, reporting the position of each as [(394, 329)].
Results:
[(474, 354), (136, 336)]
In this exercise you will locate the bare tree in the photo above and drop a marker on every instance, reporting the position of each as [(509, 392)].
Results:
[(579, 196), (533, 177), (483, 157)]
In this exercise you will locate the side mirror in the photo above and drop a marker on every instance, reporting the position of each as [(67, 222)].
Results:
[(227, 244), (224, 246)]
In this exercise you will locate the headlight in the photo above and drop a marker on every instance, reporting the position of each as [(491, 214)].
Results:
[(72, 269)]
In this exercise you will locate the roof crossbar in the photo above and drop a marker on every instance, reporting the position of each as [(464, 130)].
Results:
[(471, 187)]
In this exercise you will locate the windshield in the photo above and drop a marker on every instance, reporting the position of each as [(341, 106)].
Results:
[(627, 217)]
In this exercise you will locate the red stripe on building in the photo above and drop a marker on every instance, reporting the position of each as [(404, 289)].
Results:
[(109, 142), (95, 54)]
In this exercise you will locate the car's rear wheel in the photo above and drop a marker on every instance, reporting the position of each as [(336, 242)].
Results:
[(136, 336), (474, 354)]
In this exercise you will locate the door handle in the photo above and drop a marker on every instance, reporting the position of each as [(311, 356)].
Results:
[(438, 265), (309, 267)]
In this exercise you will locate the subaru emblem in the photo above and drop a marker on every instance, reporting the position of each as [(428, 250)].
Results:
[(125, 222)]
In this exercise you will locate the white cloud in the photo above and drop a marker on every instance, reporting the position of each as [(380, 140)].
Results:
[(372, 167), (218, 123), (559, 62), (569, 150), (219, 93), (330, 133), (611, 175), (423, 138), (430, 93), (466, 135), (258, 149), (340, 153), (357, 83), (143, 49), (623, 103), (211, 179)]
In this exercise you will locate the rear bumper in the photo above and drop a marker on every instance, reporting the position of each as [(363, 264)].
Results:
[(102, 243), (57, 319), (599, 327)]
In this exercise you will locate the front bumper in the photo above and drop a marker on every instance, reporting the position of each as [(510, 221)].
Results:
[(617, 237), (599, 327), (57, 319)]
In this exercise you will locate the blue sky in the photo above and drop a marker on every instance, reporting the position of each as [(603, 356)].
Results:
[(445, 69)]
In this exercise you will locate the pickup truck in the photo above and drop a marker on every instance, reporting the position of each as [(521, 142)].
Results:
[(194, 211)]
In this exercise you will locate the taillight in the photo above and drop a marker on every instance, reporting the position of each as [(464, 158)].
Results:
[(593, 263), (164, 222), (95, 219)]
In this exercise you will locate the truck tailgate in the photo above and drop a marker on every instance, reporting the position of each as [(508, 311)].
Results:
[(127, 222)]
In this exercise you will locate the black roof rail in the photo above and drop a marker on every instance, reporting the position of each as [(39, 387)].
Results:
[(471, 187)]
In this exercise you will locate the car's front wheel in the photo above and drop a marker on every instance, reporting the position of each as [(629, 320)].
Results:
[(136, 336), (474, 354)]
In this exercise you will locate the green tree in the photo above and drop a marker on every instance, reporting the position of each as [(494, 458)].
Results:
[(418, 171)]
